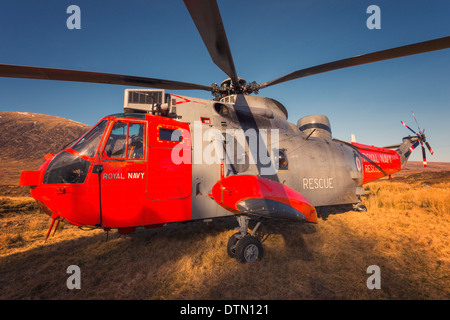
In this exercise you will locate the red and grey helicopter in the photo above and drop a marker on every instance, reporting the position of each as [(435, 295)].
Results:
[(170, 158)]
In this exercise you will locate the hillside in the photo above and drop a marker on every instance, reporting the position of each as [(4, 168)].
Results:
[(25, 138)]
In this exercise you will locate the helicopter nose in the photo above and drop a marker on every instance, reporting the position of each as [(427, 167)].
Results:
[(32, 179)]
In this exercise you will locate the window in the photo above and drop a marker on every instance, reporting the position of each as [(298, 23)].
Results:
[(116, 145), (282, 160), (66, 168), (88, 144), (170, 135), (126, 141), (136, 141), (222, 109)]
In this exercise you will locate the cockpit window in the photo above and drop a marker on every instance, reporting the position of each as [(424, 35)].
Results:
[(66, 168), (126, 141), (117, 141), (89, 143), (136, 141)]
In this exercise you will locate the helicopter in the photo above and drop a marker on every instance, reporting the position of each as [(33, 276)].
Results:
[(171, 158)]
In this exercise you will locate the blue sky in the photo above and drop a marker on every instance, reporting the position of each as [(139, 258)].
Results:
[(267, 38)]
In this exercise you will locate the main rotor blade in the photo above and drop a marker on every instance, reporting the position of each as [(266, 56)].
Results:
[(15, 71), (207, 19), (421, 47)]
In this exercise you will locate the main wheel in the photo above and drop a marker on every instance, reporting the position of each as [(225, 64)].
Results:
[(249, 249)]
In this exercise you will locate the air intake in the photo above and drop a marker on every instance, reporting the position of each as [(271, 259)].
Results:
[(317, 126), (143, 100)]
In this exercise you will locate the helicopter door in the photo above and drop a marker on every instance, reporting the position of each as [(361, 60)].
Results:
[(123, 176), (169, 183)]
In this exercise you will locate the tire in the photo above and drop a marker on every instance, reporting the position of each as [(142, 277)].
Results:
[(249, 249), (231, 245)]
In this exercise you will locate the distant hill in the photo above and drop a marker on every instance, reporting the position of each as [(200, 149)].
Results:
[(25, 138), (30, 136)]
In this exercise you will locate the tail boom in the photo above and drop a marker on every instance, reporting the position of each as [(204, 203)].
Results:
[(378, 162)]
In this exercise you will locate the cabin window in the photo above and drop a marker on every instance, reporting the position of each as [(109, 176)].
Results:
[(166, 134), (282, 160), (126, 141)]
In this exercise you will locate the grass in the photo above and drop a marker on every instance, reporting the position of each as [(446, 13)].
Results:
[(400, 196), (405, 232), (12, 204)]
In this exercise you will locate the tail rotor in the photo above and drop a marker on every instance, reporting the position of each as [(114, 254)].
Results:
[(420, 139)]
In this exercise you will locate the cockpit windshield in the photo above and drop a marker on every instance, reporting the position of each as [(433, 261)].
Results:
[(69, 168), (89, 143)]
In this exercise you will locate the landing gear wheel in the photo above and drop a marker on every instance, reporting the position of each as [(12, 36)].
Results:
[(360, 208), (231, 245), (249, 249)]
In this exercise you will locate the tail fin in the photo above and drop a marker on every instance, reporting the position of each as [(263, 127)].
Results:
[(404, 150)]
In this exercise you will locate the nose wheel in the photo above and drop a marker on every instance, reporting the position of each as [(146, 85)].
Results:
[(243, 246)]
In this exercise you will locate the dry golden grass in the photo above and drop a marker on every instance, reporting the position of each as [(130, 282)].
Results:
[(404, 232), (400, 196)]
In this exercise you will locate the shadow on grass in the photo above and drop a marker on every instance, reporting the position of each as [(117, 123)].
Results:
[(189, 261)]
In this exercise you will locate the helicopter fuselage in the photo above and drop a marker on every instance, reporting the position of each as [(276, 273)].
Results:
[(138, 169)]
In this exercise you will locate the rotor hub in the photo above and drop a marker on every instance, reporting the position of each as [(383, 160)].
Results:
[(228, 87)]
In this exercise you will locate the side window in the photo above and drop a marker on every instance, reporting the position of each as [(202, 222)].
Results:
[(283, 163), (136, 141), (126, 141), (116, 145), (173, 135)]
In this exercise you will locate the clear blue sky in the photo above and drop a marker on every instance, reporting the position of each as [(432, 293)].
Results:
[(268, 39)]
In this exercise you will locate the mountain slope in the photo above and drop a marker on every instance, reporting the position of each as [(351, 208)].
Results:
[(25, 138), (30, 136)]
